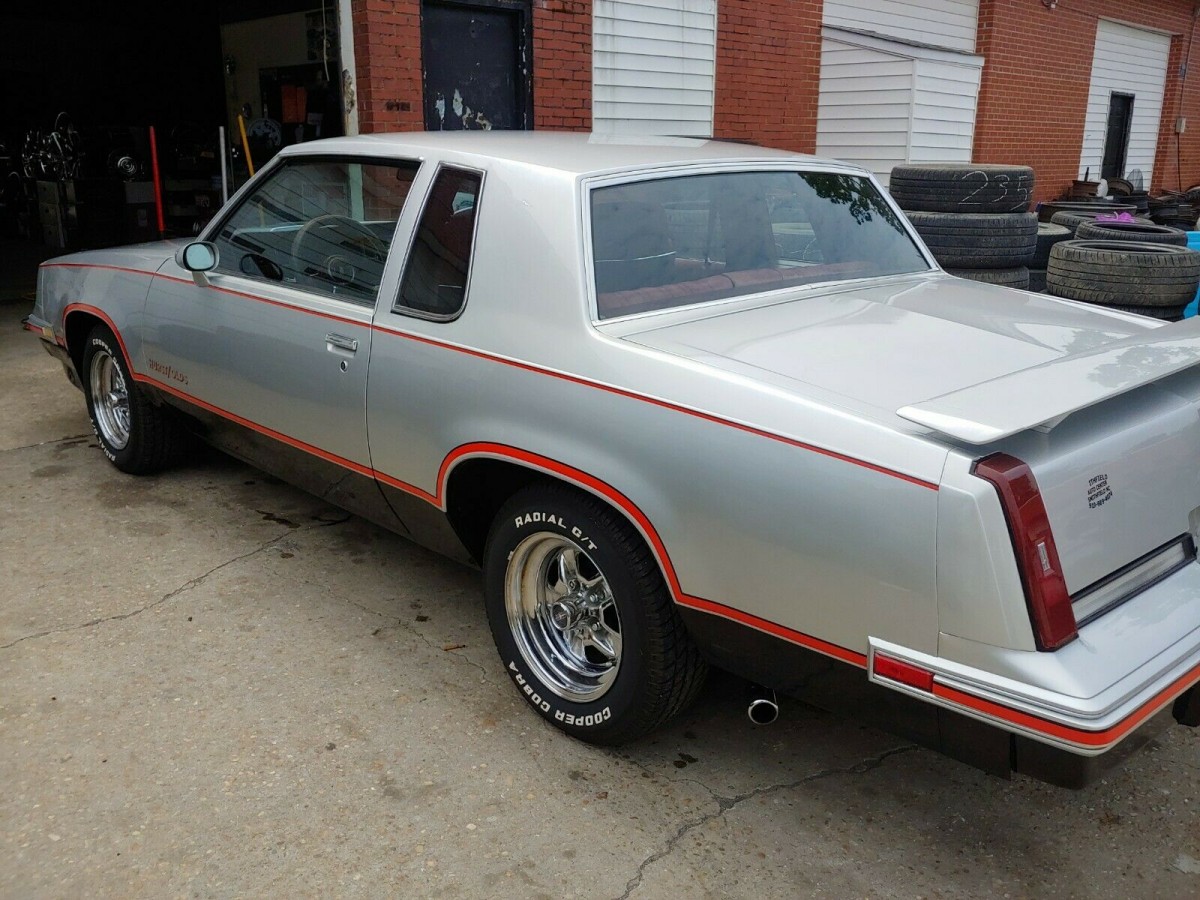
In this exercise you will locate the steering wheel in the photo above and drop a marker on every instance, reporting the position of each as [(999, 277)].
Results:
[(336, 249)]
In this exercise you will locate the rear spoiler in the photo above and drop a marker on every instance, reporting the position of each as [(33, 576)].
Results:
[(1004, 406)]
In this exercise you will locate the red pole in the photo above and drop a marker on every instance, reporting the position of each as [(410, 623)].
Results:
[(158, 198)]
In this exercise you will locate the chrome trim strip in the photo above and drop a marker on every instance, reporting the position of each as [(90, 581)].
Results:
[(1129, 581)]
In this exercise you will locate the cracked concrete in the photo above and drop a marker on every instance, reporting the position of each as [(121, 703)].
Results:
[(725, 804), (200, 699), (119, 617)]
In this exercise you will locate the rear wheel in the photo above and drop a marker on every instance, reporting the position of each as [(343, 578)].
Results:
[(137, 436), (582, 618)]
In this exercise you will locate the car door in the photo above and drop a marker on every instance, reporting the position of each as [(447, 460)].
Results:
[(272, 352), (416, 385)]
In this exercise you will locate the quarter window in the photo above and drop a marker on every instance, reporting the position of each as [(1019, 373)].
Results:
[(321, 225), (435, 278)]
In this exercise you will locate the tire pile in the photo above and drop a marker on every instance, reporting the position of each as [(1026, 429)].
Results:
[(1134, 267), (975, 221), (974, 218), (1176, 209)]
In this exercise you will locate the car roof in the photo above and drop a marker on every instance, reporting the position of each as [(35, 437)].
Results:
[(568, 152)]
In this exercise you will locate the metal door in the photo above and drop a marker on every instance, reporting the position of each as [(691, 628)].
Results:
[(475, 60), (1116, 140)]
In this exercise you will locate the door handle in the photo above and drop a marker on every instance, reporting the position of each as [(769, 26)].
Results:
[(341, 342)]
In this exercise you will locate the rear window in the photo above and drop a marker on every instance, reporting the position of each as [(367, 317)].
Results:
[(689, 239)]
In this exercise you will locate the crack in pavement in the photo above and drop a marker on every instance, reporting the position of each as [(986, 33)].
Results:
[(725, 804), (183, 588)]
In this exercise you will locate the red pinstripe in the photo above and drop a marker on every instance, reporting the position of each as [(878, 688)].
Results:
[(542, 370), (1065, 732)]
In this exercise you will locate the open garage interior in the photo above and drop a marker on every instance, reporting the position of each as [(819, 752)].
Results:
[(102, 102)]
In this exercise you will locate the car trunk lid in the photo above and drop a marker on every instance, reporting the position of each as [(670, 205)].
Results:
[(1102, 408)]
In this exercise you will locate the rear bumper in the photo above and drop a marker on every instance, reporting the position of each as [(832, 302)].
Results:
[(1085, 726), (988, 742), (1085, 698), (1064, 768)]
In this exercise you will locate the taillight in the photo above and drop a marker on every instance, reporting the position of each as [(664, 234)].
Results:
[(1037, 558)]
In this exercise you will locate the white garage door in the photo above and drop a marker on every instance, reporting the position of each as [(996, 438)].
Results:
[(1128, 62), (653, 66)]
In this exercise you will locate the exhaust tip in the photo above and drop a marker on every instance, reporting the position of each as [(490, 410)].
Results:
[(763, 712), (763, 708)]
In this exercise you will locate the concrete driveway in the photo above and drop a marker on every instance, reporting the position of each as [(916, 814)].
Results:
[(213, 685)]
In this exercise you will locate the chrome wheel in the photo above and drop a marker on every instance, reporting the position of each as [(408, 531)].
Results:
[(110, 400), (563, 617)]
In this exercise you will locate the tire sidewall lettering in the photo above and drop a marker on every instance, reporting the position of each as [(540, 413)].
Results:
[(549, 710), (533, 520), (600, 716)]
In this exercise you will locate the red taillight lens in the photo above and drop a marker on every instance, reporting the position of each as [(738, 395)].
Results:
[(905, 673), (1037, 558)]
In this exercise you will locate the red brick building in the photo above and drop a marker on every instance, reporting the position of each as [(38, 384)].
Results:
[(1067, 86)]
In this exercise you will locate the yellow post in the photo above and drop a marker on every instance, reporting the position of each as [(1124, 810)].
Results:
[(245, 144)]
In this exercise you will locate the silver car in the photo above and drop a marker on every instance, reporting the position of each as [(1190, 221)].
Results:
[(688, 403)]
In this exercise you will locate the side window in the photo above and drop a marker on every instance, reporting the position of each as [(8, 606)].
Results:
[(435, 278), (320, 225)]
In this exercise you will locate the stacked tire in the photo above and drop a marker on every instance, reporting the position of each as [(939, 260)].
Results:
[(1139, 232), (974, 218), (1153, 279), (1075, 218), (1048, 234)]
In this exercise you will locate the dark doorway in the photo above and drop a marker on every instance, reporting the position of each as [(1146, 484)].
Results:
[(1116, 137), (475, 60)]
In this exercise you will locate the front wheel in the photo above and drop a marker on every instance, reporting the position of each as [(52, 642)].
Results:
[(135, 435), (582, 618)]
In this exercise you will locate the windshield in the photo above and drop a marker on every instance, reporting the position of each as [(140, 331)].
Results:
[(688, 239)]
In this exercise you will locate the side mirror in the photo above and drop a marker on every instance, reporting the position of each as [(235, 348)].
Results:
[(198, 257)]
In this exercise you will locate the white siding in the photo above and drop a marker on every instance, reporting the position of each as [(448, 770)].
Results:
[(865, 105), (653, 66), (1128, 60), (943, 23), (943, 124), (884, 103)]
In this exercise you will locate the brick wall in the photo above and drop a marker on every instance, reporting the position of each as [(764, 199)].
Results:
[(387, 56), (1036, 78), (387, 48), (768, 72), (562, 64)]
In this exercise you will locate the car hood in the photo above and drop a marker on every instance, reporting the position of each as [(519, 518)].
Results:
[(147, 257), (889, 345)]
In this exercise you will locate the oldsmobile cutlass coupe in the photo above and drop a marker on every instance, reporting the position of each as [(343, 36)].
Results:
[(688, 403)]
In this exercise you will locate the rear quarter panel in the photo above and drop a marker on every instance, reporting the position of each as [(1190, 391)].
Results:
[(768, 505)]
